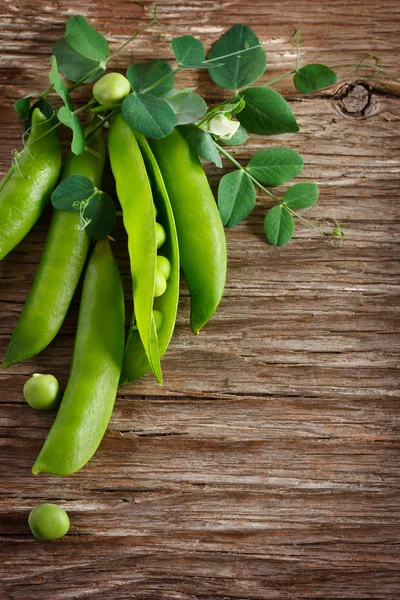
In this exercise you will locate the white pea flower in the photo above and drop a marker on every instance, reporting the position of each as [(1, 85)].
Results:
[(221, 126)]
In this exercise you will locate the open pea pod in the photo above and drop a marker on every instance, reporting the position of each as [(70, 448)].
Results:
[(135, 196), (136, 363)]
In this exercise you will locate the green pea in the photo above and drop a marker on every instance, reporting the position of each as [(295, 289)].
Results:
[(158, 319), (42, 391), (48, 522), (160, 235), (111, 88), (160, 284), (164, 266)]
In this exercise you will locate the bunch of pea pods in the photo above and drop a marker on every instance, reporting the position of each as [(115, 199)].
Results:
[(171, 221)]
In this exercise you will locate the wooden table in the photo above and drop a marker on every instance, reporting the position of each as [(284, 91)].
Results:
[(267, 466)]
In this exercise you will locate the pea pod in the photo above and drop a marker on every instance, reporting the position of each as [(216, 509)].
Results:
[(135, 363), (201, 237), (60, 266), (89, 397), (27, 186), (134, 193)]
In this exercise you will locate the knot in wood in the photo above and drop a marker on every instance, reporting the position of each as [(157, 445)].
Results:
[(354, 99)]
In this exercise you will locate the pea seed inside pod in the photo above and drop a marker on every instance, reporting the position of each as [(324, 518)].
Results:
[(160, 284), (158, 319), (160, 235), (164, 266)]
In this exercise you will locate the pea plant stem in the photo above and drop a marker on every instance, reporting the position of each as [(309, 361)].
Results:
[(271, 81), (100, 124), (161, 80), (295, 214), (131, 39), (239, 166), (278, 200), (83, 79), (99, 109)]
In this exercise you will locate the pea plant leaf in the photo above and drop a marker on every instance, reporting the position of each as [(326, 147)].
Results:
[(71, 192), (68, 118), (278, 226), (171, 93), (58, 83), (187, 107), (275, 166), (85, 40), (240, 69), (143, 75), (301, 195), (100, 216), (72, 65), (239, 137), (188, 50), (22, 106), (266, 112), (151, 116), (236, 197), (201, 143), (313, 77)]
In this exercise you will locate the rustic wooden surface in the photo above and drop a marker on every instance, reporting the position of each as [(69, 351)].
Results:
[(267, 466)]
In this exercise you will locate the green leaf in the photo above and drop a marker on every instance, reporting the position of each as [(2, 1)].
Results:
[(278, 226), (58, 84), (85, 40), (68, 118), (171, 93), (101, 214), (240, 137), (187, 107), (71, 192), (72, 65), (314, 77), (21, 107), (236, 197), (143, 75), (242, 69), (188, 50), (204, 65), (301, 195), (266, 112), (275, 166), (151, 116), (201, 143)]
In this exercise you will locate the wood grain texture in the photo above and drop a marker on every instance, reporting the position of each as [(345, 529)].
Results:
[(267, 467)]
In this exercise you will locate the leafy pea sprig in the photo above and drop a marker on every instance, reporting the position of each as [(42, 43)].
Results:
[(154, 108)]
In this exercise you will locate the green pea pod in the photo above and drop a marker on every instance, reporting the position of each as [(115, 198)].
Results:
[(201, 236), (89, 397), (135, 363), (27, 186), (135, 196), (60, 266)]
